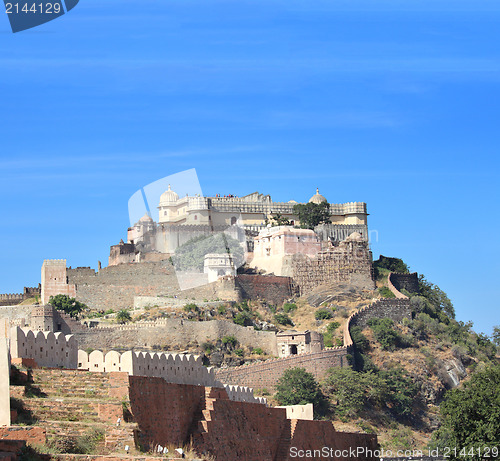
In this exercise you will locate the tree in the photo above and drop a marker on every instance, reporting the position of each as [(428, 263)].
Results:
[(123, 316), (495, 337), (312, 214), (471, 414), (298, 387), (277, 219), (69, 305), (436, 297)]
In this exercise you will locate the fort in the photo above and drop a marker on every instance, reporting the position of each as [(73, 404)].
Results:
[(172, 397)]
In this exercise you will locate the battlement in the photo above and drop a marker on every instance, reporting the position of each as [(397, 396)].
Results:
[(54, 262), (172, 367)]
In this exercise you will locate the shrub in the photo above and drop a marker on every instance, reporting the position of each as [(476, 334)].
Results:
[(191, 307), (289, 307), (258, 351), (221, 310), (298, 387), (239, 352), (244, 319), (283, 319), (384, 333), (385, 292), (359, 339), (229, 341), (323, 314), (332, 326), (69, 305)]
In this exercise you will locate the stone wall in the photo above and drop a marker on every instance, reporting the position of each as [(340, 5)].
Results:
[(11, 299), (173, 334), (46, 348), (4, 383), (260, 375), (350, 262), (393, 308), (408, 282), (339, 232), (268, 287)]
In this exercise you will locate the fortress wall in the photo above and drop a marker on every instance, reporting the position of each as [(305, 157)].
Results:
[(351, 263), (173, 368), (339, 232), (46, 348), (398, 282), (269, 287), (114, 287), (173, 334), (394, 308), (262, 375)]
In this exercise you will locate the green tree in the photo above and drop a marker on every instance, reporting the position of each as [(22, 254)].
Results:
[(312, 214), (384, 333), (244, 319), (69, 305), (298, 387), (277, 219), (471, 414), (495, 337), (323, 314), (283, 319), (391, 264), (399, 391), (436, 297), (123, 316)]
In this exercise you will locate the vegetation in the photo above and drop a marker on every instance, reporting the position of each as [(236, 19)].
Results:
[(258, 351), (123, 316), (323, 314), (283, 319), (312, 214), (298, 387), (229, 341), (352, 391), (244, 319), (385, 292), (389, 264), (495, 337), (328, 336), (69, 305), (471, 415), (386, 335), (191, 307), (191, 255), (289, 307)]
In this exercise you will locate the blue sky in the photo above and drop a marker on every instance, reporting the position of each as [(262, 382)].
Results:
[(394, 103)]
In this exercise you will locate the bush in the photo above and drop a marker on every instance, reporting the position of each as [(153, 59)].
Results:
[(323, 314), (221, 310), (298, 387), (229, 341), (385, 292), (191, 307), (238, 352), (360, 341), (258, 351), (289, 307), (244, 319), (283, 319), (332, 326), (384, 333)]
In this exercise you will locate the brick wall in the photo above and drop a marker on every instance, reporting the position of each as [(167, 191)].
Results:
[(272, 288), (262, 375)]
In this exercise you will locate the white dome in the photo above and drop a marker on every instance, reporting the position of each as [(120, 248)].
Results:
[(146, 218), (317, 198), (169, 196)]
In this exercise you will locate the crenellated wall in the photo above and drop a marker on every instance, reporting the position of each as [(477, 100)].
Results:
[(173, 368), (398, 281), (46, 348)]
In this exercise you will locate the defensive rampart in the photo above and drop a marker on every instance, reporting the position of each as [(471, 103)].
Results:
[(397, 282), (260, 375), (229, 430), (173, 368), (11, 299), (46, 348), (267, 287), (350, 262), (397, 309), (173, 334)]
